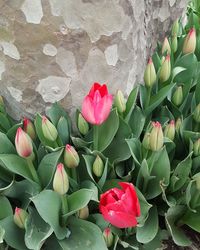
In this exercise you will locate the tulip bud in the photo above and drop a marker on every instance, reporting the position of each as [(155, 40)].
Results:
[(166, 46), (1, 101), (165, 70), (177, 97), (108, 236), (82, 125), (174, 44), (162, 60), (83, 213), (196, 148), (23, 143), (169, 131), (150, 74), (146, 141), (189, 44), (60, 180), (49, 130), (20, 217), (71, 157), (29, 128), (120, 102), (178, 124), (197, 179), (196, 114), (156, 137), (175, 28), (98, 167)]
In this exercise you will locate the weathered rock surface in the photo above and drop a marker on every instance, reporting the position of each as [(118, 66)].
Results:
[(54, 50)]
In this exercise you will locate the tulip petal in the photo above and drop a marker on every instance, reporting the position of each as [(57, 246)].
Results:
[(95, 86), (103, 90), (102, 109), (88, 110)]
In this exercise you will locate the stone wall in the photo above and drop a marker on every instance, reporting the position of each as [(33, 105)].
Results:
[(52, 50)]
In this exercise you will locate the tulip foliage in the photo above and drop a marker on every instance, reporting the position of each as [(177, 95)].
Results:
[(128, 177)]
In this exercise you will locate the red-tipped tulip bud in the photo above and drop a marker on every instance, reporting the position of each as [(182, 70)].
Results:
[(165, 70), (174, 44), (166, 46), (156, 137), (71, 157), (20, 217), (169, 131), (178, 124), (82, 125), (98, 166), (175, 28), (83, 213), (120, 102), (150, 74), (49, 130), (29, 128), (60, 180), (196, 114), (108, 236), (189, 44), (23, 143), (196, 148), (177, 97), (146, 141)]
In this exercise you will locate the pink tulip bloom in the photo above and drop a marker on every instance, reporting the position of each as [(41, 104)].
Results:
[(23, 143), (97, 104)]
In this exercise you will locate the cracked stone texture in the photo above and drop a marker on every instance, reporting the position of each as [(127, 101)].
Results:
[(54, 50)]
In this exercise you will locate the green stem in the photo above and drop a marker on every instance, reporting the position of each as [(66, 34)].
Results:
[(96, 137), (74, 174), (64, 209), (33, 171)]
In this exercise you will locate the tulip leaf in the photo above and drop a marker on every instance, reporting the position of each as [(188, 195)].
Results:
[(130, 104), (84, 235), (137, 121), (4, 122), (90, 185), (48, 205), (6, 146), (176, 71), (2, 233), (192, 220), (135, 149), (6, 209), (63, 130), (47, 167)]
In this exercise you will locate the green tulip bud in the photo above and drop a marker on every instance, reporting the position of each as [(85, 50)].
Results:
[(174, 44), (178, 124), (150, 74), (196, 114), (162, 60), (82, 125), (189, 44), (169, 131), (165, 70), (175, 28), (60, 180), (20, 217), (29, 128), (120, 102), (196, 147), (166, 46), (156, 137), (108, 236), (177, 97), (98, 167), (49, 130), (83, 213), (71, 157), (196, 177), (146, 141)]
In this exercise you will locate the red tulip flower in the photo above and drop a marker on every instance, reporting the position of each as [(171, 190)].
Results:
[(120, 206), (97, 104)]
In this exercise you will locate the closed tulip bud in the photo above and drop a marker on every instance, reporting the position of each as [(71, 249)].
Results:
[(29, 128), (174, 44), (120, 102), (1, 101), (166, 46), (175, 28), (23, 143), (146, 141), (150, 74), (197, 179), (189, 44), (49, 130), (71, 157), (177, 97), (83, 213), (98, 167), (169, 131), (156, 137), (196, 148), (196, 114), (165, 70), (20, 217), (83, 126), (178, 124), (162, 60), (60, 180), (108, 236)]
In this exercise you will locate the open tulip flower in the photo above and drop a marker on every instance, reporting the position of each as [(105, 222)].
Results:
[(120, 206), (97, 104)]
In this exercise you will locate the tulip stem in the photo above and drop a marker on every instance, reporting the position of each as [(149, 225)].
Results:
[(74, 174), (64, 208), (148, 97), (96, 137), (33, 171)]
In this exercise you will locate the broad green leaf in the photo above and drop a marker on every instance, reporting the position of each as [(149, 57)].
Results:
[(4, 122), (6, 146), (176, 71), (135, 149), (87, 184), (84, 235), (130, 104), (48, 205), (63, 130), (192, 220), (2, 233), (6, 209), (137, 121), (4, 185)]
